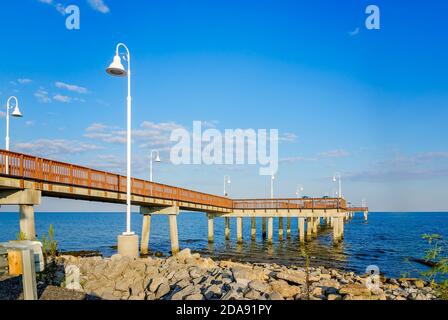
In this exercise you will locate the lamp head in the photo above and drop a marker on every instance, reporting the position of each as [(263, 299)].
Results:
[(158, 158), (116, 68), (16, 113), (334, 179)]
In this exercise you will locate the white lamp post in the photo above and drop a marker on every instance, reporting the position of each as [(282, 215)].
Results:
[(15, 113), (157, 159), (337, 177), (299, 190), (272, 186), (116, 69), (226, 182)]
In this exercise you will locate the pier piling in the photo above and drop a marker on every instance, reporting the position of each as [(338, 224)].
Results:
[(146, 230), (239, 229), (253, 229), (211, 232), (280, 228), (174, 234), (301, 227), (270, 229), (227, 228)]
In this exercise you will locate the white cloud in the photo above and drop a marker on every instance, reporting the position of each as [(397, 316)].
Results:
[(99, 5), (287, 137), (24, 81), (55, 147), (62, 98), (71, 87), (149, 135), (42, 95), (354, 32), (334, 154), (58, 6)]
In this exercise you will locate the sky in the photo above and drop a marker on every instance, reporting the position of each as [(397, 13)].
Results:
[(369, 104)]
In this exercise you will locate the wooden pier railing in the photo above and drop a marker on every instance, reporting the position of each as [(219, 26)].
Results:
[(273, 204), (27, 167), (37, 169)]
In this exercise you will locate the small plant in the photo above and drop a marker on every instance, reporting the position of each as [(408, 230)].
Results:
[(436, 255), (50, 252), (307, 273), (49, 244)]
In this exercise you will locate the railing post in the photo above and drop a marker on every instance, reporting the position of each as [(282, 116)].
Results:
[(71, 178), (21, 166)]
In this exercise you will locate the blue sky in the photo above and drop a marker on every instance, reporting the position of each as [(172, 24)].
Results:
[(371, 104)]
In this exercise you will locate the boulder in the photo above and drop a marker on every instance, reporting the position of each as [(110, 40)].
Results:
[(275, 296), (253, 295), (162, 290), (297, 277), (195, 297), (183, 255), (260, 286), (185, 292), (285, 290), (355, 290), (156, 282), (212, 292), (334, 297)]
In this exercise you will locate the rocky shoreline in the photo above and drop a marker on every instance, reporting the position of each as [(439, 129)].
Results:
[(188, 276)]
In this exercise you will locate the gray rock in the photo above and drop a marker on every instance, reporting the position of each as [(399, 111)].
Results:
[(196, 272), (195, 297), (163, 290), (275, 296), (260, 286), (213, 292), (183, 255), (253, 295), (297, 277), (183, 293), (156, 282), (232, 295)]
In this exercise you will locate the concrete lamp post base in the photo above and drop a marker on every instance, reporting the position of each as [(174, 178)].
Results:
[(128, 245)]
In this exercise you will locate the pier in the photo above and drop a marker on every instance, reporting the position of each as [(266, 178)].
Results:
[(26, 179)]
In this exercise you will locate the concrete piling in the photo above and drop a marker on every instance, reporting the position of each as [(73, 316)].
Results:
[(146, 230), (174, 234), (270, 229), (239, 229), (301, 227), (227, 228), (253, 229), (280, 228), (27, 223), (211, 232)]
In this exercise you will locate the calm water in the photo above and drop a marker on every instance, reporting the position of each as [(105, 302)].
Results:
[(386, 240)]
